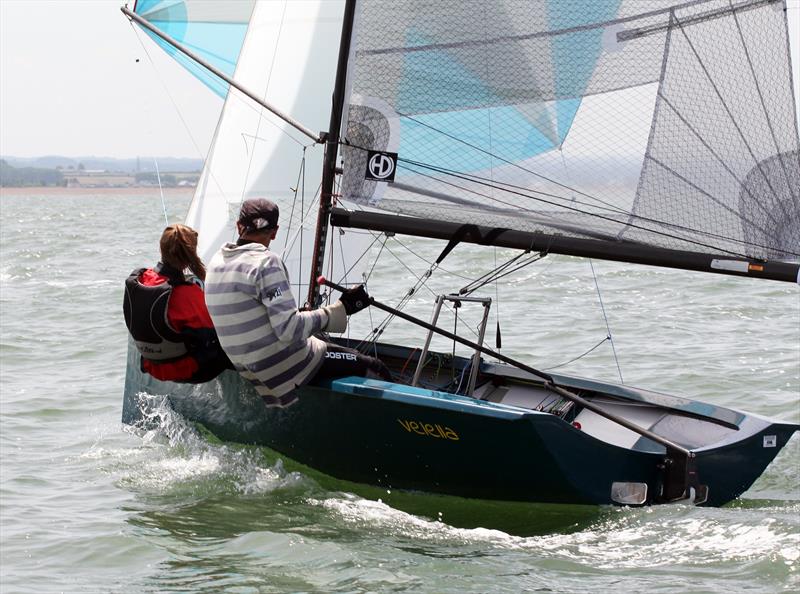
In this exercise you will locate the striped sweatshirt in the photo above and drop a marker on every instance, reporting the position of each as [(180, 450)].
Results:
[(259, 326)]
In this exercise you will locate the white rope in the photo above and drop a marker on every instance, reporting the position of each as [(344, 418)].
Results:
[(166, 89), (161, 190)]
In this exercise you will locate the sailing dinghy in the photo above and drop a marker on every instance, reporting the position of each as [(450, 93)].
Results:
[(661, 133)]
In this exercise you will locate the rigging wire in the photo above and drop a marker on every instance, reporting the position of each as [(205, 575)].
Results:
[(491, 173), (581, 356), (300, 187), (498, 343), (529, 194), (407, 248), (498, 272), (421, 282), (473, 179), (178, 111), (609, 336), (378, 330), (300, 175), (383, 245), (456, 307), (628, 215), (305, 216), (166, 89)]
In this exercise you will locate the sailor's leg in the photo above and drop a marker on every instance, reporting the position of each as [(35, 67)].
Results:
[(342, 361)]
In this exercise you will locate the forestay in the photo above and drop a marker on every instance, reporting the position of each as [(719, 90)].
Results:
[(660, 123)]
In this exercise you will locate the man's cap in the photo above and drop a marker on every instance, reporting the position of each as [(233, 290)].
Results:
[(258, 214)]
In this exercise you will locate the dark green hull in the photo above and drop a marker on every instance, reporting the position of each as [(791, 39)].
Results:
[(396, 437)]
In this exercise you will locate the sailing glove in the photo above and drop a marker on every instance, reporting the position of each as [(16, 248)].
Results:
[(355, 299), (337, 318)]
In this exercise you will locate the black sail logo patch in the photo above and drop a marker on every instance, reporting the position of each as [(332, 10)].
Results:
[(381, 166)]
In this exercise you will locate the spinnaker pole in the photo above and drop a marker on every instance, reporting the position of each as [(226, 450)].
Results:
[(315, 136), (331, 151)]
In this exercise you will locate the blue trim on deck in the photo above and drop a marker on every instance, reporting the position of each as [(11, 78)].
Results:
[(372, 388)]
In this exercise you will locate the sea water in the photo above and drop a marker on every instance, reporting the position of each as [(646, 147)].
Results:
[(86, 505)]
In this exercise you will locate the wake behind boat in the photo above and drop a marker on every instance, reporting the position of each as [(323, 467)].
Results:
[(474, 123)]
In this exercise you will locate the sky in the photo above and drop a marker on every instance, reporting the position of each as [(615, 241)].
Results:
[(70, 85)]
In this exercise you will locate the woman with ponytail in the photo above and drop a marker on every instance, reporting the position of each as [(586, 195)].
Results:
[(166, 314)]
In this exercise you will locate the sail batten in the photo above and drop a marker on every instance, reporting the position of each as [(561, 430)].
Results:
[(679, 116)]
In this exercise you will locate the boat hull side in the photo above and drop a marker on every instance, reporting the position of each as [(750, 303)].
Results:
[(392, 437)]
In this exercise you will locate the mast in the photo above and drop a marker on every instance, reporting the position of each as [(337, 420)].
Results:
[(331, 151), (620, 251)]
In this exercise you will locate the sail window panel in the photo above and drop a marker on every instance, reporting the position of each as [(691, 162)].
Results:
[(723, 140)]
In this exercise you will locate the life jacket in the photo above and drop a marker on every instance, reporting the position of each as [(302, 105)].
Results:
[(145, 310)]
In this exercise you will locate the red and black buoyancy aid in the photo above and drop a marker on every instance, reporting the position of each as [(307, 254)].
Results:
[(145, 310)]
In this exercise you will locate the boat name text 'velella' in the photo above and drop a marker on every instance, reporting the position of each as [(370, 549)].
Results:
[(429, 429)]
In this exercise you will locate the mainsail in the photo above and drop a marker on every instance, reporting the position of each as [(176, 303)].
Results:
[(660, 124)]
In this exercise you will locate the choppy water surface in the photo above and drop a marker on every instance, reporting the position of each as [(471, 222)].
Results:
[(88, 506)]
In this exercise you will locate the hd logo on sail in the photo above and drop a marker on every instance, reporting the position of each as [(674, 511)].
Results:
[(381, 166)]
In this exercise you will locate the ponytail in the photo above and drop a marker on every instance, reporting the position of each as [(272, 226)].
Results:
[(179, 249)]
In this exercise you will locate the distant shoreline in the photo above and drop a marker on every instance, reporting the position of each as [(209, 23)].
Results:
[(38, 190)]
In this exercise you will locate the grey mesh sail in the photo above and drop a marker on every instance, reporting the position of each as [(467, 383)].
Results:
[(653, 123)]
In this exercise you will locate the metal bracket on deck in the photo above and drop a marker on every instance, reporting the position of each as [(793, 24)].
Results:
[(476, 358)]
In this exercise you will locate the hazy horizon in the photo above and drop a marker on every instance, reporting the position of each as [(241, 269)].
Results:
[(98, 157)]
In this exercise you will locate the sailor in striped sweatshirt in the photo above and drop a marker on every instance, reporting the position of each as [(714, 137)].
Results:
[(269, 341)]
